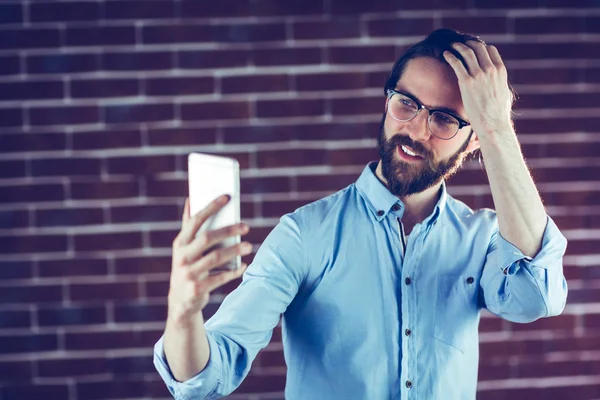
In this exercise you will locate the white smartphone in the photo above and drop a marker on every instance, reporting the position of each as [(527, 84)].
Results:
[(209, 177)]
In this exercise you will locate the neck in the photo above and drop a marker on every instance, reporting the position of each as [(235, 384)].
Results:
[(418, 206)]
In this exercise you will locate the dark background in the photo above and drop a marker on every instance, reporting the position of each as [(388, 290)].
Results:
[(101, 101)]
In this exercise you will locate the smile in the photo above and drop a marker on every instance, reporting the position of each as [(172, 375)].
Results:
[(408, 151)]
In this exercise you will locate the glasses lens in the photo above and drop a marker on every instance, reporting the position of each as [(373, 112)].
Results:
[(443, 125), (402, 108)]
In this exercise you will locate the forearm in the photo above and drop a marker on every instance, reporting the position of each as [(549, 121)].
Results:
[(186, 347), (521, 214)]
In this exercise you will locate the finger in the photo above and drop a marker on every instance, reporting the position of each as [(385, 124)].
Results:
[(191, 228), (186, 210), (495, 57), (481, 51), (215, 281), (208, 239), (458, 67), (468, 55), (217, 258)]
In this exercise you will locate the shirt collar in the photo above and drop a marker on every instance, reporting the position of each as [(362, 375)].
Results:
[(381, 201)]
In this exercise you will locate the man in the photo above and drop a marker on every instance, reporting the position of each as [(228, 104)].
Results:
[(381, 284)]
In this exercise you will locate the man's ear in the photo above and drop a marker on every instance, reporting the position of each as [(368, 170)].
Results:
[(473, 143)]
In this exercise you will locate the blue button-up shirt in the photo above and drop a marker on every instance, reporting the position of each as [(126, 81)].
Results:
[(365, 317)]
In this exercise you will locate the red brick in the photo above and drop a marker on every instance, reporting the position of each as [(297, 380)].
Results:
[(11, 117), (180, 33), (104, 190), (479, 25), (31, 192), (15, 371), (557, 125), (358, 7), (144, 213), (532, 76), (71, 315), (291, 158), (113, 389), (20, 142), (181, 136), (64, 11), (100, 36), (101, 340), (270, 359), (194, 33), (132, 9), (131, 365), (330, 81), (32, 90), (94, 88), (534, 51), (138, 113), (329, 182), (11, 13), (287, 56), (592, 24), (290, 7), (72, 267), (358, 157), (263, 383), (223, 8), (31, 294), (558, 323), (63, 115), (12, 169), (362, 55), (141, 313), (570, 4), (65, 167), (106, 139), (557, 100), (163, 238), (15, 319), (157, 288), (167, 187), (30, 38), (32, 244), (215, 110), (554, 25), (506, 4), (9, 65), (199, 59), (255, 83), (274, 184), (146, 61), (62, 63), (179, 86), (68, 367), (141, 165), (36, 391), (358, 105), (399, 27), (290, 108), (334, 29), (491, 372), (104, 291), (69, 217), (108, 241), (143, 265), (16, 270), (275, 209)]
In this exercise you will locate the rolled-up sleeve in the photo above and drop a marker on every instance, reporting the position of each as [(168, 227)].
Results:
[(522, 289), (245, 320)]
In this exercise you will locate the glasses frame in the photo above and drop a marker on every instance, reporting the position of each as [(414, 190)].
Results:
[(461, 122)]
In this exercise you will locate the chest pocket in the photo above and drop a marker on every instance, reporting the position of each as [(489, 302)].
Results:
[(456, 312)]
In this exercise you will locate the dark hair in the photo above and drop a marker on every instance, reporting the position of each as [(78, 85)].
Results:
[(433, 46)]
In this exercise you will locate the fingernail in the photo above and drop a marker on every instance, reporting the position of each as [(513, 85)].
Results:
[(246, 247), (244, 228), (224, 199)]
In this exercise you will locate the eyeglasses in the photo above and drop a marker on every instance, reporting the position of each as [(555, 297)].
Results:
[(441, 124)]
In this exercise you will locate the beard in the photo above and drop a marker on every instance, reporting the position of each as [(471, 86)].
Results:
[(405, 179)]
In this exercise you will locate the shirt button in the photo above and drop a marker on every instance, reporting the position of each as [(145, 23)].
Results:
[(408, 384), (470, 280), (408, 332), (380, 213), (395, 207), (407, 281)]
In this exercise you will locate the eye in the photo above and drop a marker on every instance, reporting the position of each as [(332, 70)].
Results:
[(446, 119)]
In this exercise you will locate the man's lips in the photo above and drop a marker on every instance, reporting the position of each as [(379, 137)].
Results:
[(407, 153)]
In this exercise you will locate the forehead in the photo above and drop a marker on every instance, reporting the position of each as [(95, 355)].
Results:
[(432, 82)]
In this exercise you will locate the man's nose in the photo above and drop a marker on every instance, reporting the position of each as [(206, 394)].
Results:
[(418, 128)]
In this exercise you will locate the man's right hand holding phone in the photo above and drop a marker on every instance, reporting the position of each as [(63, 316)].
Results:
[(185, 343)]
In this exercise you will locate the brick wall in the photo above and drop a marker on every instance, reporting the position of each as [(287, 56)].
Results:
[(100, 102)]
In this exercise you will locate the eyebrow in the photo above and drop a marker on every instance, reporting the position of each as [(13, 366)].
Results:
[(440, 108)]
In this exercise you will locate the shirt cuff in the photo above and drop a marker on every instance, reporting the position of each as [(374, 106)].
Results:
[(512, 258), (198, 387)]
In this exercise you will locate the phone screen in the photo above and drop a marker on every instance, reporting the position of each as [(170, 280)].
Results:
[(209, 177)]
